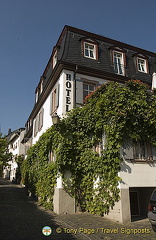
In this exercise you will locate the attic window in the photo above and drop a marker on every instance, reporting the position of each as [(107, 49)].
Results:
[(141, 63), (118, 56), (118, 62), (54, 58), (89, 48)]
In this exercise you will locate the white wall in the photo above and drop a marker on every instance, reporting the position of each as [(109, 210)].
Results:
[(137, 174)]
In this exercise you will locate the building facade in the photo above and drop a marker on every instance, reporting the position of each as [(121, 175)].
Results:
[(16, 148), (80, 62)]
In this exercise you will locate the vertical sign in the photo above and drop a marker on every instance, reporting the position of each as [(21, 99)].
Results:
[(68, 91)]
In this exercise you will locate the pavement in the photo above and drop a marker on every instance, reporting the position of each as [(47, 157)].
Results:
[(21, 218)]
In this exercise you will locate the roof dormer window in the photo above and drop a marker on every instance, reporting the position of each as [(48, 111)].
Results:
[(142, 65), (89, 48), (54, 58), (118, 60), (36, 95), (141, 62)]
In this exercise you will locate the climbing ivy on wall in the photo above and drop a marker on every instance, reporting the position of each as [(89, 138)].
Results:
[(115, 111)]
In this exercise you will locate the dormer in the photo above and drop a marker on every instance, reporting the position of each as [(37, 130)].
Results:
[(89, 48), (118, 57), (141, 62)]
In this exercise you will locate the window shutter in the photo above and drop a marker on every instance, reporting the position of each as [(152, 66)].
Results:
[(79, 91), (57, 95), (127, 149), (51, 103), (37, 123), (41, 119)]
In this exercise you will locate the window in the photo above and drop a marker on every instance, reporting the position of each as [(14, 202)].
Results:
[(41, 86), (141, 63), (87, 89), (142, 150), (52, 156), (54, 99), (118, 60), (40, 120), (101, 145), (36, 95), (89, 50), (35, 127), (54, 59)]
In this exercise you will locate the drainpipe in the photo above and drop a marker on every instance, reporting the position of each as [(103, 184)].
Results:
[(74, 95)]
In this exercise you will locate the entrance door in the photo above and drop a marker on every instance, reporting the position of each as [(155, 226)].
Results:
[(134, 204)]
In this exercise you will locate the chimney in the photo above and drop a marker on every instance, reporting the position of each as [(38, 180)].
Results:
[(9, 131)]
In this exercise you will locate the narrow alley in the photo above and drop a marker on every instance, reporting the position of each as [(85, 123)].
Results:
[(22, 219)]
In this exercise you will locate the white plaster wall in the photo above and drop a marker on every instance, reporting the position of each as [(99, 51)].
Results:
[(61, 111), (15, 151), (137, 174), (100, 80), (47, 120)]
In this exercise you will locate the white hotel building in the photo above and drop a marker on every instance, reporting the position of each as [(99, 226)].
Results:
[(79, 63)]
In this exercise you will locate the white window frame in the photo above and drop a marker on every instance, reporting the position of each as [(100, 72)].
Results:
[(142, 65), (40, 120), (88, 90), (41, 87), (54, 58), (119, 66), (35, 127), (90, 49), (37, 95), (54, 102)]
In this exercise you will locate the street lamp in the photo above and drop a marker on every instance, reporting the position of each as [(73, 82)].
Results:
[(55, 119)]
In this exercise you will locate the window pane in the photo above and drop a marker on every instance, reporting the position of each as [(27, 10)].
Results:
[(141, 65), (85, 86), (91, 54), (85, 93), (87, 89), (118, 63), (89, 50), (91, 87), (86, 53)]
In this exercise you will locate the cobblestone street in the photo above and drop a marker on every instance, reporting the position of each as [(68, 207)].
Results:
[(21, 218)]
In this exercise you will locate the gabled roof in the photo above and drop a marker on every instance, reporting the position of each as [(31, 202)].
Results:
[(15, 134)]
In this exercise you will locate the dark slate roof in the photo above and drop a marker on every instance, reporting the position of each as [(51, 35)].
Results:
[(71, 52)]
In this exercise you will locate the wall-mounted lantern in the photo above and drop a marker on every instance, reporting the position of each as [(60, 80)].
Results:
[(55, 119)]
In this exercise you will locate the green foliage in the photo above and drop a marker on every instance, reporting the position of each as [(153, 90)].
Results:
[(4, 155), (114, 110), (19, 160)]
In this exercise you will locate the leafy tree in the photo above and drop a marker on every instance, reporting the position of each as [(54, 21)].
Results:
[(4, 155)]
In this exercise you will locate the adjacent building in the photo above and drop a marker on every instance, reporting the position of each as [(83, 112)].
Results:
[(15, 147), (80, 62)]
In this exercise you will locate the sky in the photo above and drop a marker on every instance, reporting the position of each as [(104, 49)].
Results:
[(29, 29)]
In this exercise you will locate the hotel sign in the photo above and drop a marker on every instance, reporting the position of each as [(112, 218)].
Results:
[(68, 91)]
